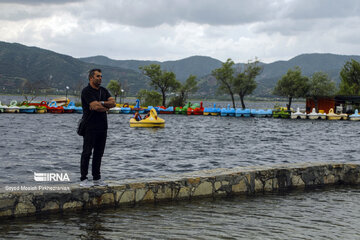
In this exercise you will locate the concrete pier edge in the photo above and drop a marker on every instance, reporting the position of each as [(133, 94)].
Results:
[(199, 184)]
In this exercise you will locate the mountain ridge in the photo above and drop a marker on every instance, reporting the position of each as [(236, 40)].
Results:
[(20, 63)]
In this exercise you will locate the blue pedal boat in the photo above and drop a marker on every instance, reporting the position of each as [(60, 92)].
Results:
[(227, 111), (261, 113), (241, 112), (355, 116), (214, 111)]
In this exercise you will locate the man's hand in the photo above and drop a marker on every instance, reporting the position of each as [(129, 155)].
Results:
[(102, 106), (97, 106), (110, 103)]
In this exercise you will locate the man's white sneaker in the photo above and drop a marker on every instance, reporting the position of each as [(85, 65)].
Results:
[(100, 183), (86, 183)]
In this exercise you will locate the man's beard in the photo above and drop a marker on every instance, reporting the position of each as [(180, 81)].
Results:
[(97, 83)]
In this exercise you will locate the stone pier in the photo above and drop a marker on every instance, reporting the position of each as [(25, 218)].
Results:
[(201, 184)]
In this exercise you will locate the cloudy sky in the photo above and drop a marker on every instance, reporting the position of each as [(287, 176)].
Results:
[(174, 29)]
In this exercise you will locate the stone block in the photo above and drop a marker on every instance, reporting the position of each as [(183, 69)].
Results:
[(139, 194), (128, 197), (258, 187), (50, 206), (85, 196), (7, 203), (194, 180), (184, 192), (204, 189), (241, 187), (296, 181), (268, 186), (118, 195), (107, 199), (329, 179), (149, 196), (24, 208), (217, 185), (164, 192), (6, 213), (72, 205)]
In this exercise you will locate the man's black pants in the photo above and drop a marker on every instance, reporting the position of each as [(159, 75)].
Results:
[(92, 140)]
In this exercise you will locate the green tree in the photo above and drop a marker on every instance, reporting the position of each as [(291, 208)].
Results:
[(162, 80), (225, 78), (190, 86), (350, 78), (292, 85), (321, 86), (114, 87), (245, 83), (149, 98)]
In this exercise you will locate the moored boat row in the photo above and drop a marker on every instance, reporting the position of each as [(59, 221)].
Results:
[(189, 109)]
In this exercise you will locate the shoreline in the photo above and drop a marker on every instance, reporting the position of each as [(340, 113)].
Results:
[(194, 185)]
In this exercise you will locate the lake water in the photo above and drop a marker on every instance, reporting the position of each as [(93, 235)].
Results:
[(48, 143), (331, 213)]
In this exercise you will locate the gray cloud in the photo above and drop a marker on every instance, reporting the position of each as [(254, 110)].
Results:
[(322, 9), (173, 29), (36, 2), (143, 13)]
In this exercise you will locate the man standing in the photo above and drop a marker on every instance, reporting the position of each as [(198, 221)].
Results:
[(95, 100)]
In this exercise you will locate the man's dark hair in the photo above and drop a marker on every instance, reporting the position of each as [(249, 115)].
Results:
[(92, 72)]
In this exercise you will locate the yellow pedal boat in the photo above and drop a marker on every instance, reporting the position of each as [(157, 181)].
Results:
[(152, 121), (333, 116)]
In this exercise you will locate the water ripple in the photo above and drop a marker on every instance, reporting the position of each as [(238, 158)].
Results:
[(188, 143)]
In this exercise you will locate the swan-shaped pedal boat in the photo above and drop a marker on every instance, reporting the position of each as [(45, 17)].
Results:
[(152, 121), (355, 116), (212, 111), (314, 115), (12, 108), (298, 114), (333, 116)]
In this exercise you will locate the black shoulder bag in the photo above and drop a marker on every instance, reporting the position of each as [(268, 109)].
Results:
[(82, 125)]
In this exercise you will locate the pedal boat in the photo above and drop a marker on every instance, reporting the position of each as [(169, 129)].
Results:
[(115, 110), (138, 108), (212, 111), (227, 111), (281, 112), (333, 116), (243, 112), (165, 110), (27, 109), (298, 114), (196, 109), (261, 113), (125, 109), (41, 109), (153, 121), (314, 115), (2, 108), (12, 108), (54, 108), (182, 110), (61, 101), (355, 116), (70, 108)]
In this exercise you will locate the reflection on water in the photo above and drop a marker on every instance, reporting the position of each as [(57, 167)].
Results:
[(331, 213)]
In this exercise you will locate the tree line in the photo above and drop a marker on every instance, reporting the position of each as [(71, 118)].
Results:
[(241, 81)]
